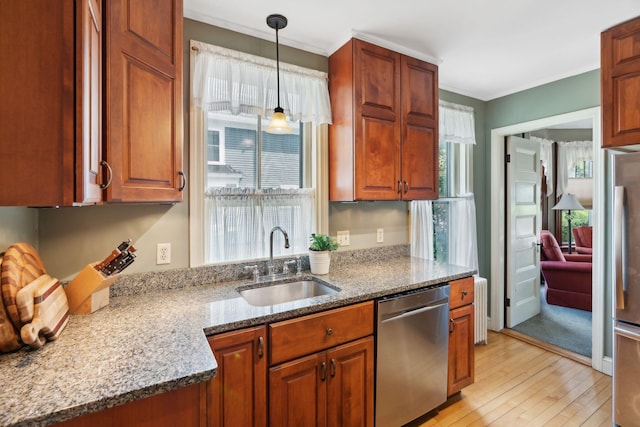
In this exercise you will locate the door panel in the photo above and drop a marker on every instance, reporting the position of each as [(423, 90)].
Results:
[(523, 227)]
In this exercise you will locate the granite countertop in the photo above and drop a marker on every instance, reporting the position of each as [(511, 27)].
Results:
[(154, 340)]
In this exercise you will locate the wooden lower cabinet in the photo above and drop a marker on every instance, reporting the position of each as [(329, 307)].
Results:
[(461, 336), (181, 407), (237, 396), (328, 388)]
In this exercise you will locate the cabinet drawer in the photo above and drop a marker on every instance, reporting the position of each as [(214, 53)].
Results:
[(461, 292), (309, 334)]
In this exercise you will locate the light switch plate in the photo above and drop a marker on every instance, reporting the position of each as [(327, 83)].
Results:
[(380, 235), (343, 238)]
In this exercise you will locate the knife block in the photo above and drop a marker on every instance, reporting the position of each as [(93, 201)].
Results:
[(89, 290)]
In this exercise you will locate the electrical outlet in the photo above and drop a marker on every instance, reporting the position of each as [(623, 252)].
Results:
[(163, 254), (343, 238), (380, 235)]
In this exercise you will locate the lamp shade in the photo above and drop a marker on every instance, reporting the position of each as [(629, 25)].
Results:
[(568, 202)]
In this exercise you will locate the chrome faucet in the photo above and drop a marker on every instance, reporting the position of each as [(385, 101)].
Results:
[(286, 246)]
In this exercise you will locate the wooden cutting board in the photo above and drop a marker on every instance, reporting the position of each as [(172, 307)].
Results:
[(21, 265), (50, 311), (9, 340)]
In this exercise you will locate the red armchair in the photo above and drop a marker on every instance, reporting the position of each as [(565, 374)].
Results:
[(567, 277), (583, 236)]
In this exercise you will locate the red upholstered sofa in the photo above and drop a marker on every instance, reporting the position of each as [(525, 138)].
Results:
[(583, 236), (567, 277)]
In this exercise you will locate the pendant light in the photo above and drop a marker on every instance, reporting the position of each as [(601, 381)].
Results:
[(278, 120)]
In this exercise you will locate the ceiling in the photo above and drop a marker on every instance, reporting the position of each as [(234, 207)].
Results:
[(484, 48)]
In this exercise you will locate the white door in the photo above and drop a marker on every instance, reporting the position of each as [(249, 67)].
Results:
[(523, 230)]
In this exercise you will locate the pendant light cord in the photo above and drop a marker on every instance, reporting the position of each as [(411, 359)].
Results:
[(278, 65)]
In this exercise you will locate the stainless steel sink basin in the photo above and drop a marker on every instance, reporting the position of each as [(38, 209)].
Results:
[(285, 292)]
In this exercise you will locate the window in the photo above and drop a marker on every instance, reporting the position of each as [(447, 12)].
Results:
[(245, 181), (582, 169), (445, 229), (215, 151)]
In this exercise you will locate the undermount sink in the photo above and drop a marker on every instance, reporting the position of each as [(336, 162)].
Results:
[(285, 292)]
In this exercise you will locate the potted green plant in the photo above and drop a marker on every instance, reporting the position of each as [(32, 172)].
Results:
[(319, 252)]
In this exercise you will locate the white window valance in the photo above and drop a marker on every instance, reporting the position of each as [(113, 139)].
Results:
[(569, 154), (546, 156), (456, 123), (239, 83)]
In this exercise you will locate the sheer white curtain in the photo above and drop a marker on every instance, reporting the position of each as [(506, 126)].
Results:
[(239, 83), (421, 223), (546, 155), (238, 222), (569, 154), (456, 123), (464, 242)]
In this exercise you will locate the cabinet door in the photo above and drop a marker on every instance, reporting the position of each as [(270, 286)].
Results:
[(89, 101), (620, 77), (297, 392), (377, 122), (143, 100), (419, 170), (350, 384), (461, 351), (237, 396), (37, 105)]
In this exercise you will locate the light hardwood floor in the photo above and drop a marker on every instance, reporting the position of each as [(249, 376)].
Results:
[(518, 384)]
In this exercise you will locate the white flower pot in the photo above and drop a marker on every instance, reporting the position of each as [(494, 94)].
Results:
[(319, 261)]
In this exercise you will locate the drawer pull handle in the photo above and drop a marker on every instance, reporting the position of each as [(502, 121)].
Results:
[(333, 368), (452, 325), (260, 347), (329, 331), (323, 371)]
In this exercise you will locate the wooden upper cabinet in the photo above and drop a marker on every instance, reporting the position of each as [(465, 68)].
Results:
[(419, 129), (383, 140), (143, 127), (620, 84), (49, 117)]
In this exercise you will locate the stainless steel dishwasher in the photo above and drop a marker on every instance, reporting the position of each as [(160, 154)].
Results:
[(411, 355)]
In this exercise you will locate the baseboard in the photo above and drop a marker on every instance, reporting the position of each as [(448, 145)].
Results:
[(607, 365)]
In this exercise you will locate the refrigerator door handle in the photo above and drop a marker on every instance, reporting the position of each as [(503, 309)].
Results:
[(628, 333), (618, 246)]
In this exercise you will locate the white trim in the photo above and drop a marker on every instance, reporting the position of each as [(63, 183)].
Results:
[(497, 214)]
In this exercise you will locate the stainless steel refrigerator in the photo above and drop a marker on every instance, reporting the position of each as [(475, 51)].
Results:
[(626, 290)]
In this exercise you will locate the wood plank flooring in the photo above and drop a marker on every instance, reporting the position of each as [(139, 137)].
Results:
[(518, 384)]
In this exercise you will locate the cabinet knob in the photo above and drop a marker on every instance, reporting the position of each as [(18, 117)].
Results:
[(106, 165), (464, 293), (329, 331)]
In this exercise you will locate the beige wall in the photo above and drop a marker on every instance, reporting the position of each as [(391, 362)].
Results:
[(70, 238)]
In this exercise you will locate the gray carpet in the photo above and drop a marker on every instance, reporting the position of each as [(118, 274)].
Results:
[(565, 327)]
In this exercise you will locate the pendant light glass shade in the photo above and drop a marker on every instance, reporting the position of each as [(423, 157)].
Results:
[(278, 123)]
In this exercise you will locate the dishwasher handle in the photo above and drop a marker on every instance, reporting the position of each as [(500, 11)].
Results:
[(414, 310)]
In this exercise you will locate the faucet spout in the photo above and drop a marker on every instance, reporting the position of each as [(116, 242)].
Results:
[(286, 242)]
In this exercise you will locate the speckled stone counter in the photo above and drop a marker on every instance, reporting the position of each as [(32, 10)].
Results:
[(154, 340)]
